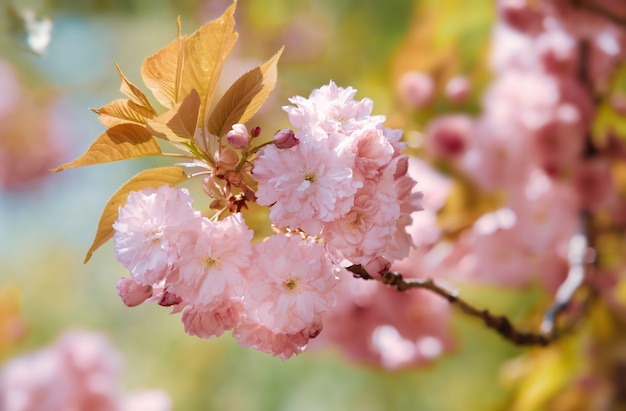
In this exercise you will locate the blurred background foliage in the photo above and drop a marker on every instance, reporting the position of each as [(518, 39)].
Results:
[(47, 224)]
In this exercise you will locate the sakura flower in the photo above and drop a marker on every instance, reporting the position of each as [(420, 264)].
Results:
[(366, 230), (291, 284), (375, 324), (210, 270), (332, 108), (373, 151), (262, 339), (213, 323), (80, 371), (409, 198), (131, 292), (447, 136), (151, 229), (306, 185)]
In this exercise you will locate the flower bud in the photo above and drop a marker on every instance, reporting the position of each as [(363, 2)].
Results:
[(169, 299), (448, 136), (228, 160), (377, 267), (238, 137), (457, 89), (285, 138), (255, 132), (416, 89), (131, 292)]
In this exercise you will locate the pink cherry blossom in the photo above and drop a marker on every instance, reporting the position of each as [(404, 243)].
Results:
[(151, 230), (332, 108), (447, 136), (278, 344), (372, 149), (306, 185), (409, 197), (375, 324), (291, 284), (213, 322), (211, 269), (363, 233), (80, 371)]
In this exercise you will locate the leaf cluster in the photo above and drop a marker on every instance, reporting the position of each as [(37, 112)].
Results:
[(182, 77)]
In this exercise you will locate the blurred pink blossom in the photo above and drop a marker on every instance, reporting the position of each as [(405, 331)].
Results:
[(80, 371), (416, 89)]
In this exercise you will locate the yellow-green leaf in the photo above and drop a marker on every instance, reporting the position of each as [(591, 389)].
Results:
[(122, 111), (133, 92), (163, 70), (122, 142), (154, 177), (204, 56), (244, 97), (180, 122)]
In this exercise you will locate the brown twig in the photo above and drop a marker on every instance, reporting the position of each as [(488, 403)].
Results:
[(501, 324)]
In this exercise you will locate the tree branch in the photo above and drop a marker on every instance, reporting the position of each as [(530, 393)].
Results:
[(501, 324)]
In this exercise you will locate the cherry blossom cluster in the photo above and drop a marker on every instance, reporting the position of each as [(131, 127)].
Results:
[(343, 179), (79, 371), (532, 144), (338, 193), (525, 170)]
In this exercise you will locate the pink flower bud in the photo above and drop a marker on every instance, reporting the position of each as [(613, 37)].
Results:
[(458, 89), (285, 138), (416, 89), (377, 267), (238, 137), (168, 299), (448, 136), (131, 292), (255, 132), (228, 160)]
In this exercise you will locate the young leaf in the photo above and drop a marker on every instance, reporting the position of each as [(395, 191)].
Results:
[(163, 70), (154, 177), (133, 92), (205, 53), (122, 142), (244, 97), (180, 122), (122, 111)]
